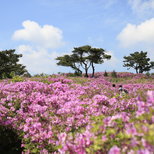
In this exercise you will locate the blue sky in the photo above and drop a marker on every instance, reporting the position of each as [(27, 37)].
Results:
[(43, 29)]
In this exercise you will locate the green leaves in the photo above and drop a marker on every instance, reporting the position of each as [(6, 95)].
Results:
[(70, 61), (9, 63), (139, 61), (85, 57)]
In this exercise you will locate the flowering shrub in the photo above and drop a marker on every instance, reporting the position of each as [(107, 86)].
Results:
[(57, 115)]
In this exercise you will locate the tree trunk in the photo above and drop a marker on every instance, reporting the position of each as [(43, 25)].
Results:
[(79, 71), (86, 72), (140, 71), (86, 69), (93, 69)]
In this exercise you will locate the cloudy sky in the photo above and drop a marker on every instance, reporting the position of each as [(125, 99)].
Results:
[(43, 29)]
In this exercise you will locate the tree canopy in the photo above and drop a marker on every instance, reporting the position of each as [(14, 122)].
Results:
[(97, 56), (84, 57), (139, 61), (9, 63), (70, 61)]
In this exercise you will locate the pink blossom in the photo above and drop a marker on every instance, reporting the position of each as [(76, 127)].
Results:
[(114, 150)]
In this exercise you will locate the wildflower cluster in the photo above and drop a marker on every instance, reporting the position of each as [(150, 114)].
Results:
[(57, 115)]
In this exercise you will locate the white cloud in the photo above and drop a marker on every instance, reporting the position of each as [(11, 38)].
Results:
[(38, 60), (46, 36), (39, 55), (132, 35), (142, 6)]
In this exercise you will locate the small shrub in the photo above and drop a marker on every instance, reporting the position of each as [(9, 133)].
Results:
[(105, 74), (114, 74), (12, 74), (17, 79), (3, 76), (147, 74), (76, 74)]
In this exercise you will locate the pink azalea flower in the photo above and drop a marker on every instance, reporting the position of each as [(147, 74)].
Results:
[(114, 150)]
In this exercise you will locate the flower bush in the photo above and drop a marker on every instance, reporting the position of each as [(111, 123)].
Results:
[(61, 115)]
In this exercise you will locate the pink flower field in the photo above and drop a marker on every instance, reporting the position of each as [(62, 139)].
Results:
[(77, 115)]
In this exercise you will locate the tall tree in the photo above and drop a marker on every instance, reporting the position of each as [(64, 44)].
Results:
[(83, 53), (139, 61), (97, 56), (9, 63), (85, 57)]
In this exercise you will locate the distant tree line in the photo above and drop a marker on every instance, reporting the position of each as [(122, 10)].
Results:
[(82, 58), (86, 56)]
